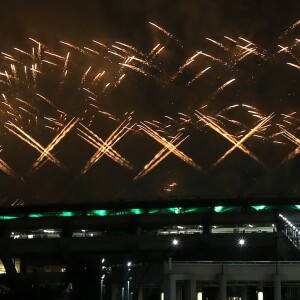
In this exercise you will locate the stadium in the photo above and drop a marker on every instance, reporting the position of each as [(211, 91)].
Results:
[(150, 157)]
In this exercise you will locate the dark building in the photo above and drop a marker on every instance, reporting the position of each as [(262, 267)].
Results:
[(156, 251)]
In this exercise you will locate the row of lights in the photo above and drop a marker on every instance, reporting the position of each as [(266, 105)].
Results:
[(241, 242), (289, 223)]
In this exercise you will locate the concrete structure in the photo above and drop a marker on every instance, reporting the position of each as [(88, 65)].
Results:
[(225, 274), (69, 252)]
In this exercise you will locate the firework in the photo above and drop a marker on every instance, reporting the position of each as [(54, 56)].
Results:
[(57, 92), (171, 36), (32, 142), (93, 139), (51, 146), (107, 145)]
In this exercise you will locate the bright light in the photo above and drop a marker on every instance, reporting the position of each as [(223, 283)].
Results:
[(218, 209), (175, 242), (260, 296), (162, 296), (259, 207), (242, 242), (129, 264), (49, 231), (199, 296), (103, 260)]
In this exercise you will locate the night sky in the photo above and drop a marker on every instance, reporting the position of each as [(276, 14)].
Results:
[(244, 66)]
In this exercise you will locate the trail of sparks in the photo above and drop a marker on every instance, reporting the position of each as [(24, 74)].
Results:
[(216, 127), (51, 146), (198, 75), (293, 139), (218, 44), (291, 28), (117, 134), (213, 58), (170, 35), (136, 69), (169, 146), (159, 157), (244, 138), (293, 65), (187, 63), (32, 142), (8, 170), (222, 87), (94, 140)]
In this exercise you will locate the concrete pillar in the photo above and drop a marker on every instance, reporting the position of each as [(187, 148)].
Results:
[(169, 287), (114, 292), (170, 264), (190, 288), (277, 287), (179, 293), (140, 293), (244, 293), (126, 290), (222, 287)]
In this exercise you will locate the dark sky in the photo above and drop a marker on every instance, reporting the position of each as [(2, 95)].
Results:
[(264, 81), (189, 20)]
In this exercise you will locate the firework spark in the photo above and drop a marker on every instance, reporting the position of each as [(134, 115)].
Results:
[(32, 142), (160, 156), (117, 134), (39, 162), (237, 143), (170, 35), (169, 146), (293, 65), (93, 139)]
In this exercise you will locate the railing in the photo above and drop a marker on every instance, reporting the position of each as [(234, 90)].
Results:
[(291, 232), (237, 262)]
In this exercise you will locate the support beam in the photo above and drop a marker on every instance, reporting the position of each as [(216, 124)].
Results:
[(277, 287), (245, 293), (169, 287), (190, 288), (222, 287), (127, 290)]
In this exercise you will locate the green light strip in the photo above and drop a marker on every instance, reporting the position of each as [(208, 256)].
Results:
[(9, 217), (141, 211), (259, 207), (218, 209)]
